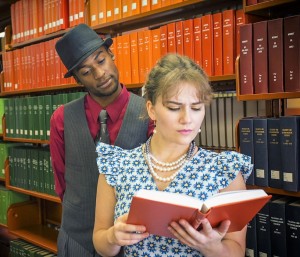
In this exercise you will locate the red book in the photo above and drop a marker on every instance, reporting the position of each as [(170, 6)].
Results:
[(171, 37), (179, 37), (198, 41), (147, 51), (207, 44), (188, 38), (157, 209), (94, 20), (145, 6), (164, 40), (155, 4), (126, 59), (260, 53), (156, 47), (275, 54), (134, 58), (292, 53), (229, 42), (142, 60), (246, 59), (218, 44)]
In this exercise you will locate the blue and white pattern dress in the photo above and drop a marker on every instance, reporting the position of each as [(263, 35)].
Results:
[(206, 174)]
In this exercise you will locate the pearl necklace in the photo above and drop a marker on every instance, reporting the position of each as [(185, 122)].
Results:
[(167, 166), (183, 160)]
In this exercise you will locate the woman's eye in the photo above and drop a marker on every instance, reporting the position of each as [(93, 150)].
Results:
[(173, 108)]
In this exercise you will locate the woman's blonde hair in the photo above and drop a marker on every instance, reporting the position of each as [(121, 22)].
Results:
[(169, 72)]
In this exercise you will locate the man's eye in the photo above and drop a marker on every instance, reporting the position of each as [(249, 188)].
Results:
[(101, 61)]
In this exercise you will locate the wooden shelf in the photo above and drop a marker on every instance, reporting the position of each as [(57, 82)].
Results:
[(275, 191), (266, 96), (28, 192), (24, 220), (265, 5)]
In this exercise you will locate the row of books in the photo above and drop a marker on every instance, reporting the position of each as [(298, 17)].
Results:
[(34, 18), (210, 40), (275, 231), (270, 56), (273, 144), (34, 66), (107, 11), (218, 130), (30, 169), (4, 150), (20, 248), (29, 117), (7, 198)]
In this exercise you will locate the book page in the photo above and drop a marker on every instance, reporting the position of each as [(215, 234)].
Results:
[(232, 197), (171, 198)]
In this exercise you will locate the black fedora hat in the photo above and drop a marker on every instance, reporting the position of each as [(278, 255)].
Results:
[(78, 44)]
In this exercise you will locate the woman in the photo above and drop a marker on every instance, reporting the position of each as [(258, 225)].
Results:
[(176, 92)]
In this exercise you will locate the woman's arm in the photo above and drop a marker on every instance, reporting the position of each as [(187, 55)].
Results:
[(109, 237), (214, 242)]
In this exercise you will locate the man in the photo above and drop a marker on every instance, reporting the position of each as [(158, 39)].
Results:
[(74, 128)]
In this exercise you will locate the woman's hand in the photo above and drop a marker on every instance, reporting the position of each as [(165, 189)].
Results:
[(126, 234), (208, 240)]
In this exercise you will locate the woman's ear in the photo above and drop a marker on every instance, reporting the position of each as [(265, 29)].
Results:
[(150, 110)]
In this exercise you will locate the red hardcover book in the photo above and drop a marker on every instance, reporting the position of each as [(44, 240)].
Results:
[(41, 22), (155, 4), (188, 38), (157, 209), (109, 10), (33, 66), (148, 51), (156, 47), (218, 44), (94, 10), (179, 37), (126, 12), (119, 58), (63, 14), (135, 7), (102, 12), (260, 53), (126, 59), (145, 6), (118, 10), (57, 79), (207, 44), (134, 58), (292, 53), (275, 54), (198, 41), (142, 60), (43, 73), (14, 18), (164, 40), (171, 37), (81, 12), (246, 59), (229, 42)]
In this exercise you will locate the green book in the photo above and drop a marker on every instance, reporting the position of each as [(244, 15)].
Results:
[(48, 113), (42, 117), (35, 118), (30, 103), (25, 118), (1, 114)]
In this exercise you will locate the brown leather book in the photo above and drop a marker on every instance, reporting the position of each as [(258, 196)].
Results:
[(246, 60), (275, 48), (292, 53), (260, 54)]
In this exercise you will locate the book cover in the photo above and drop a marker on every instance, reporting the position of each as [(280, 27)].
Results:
[(163, 40), (228, 22), (246, 142), (134, 57), (246, 59), (275, 55), (156, 209), (260, 54), (251, 239), (278, 226), (260, 140), (179, 37), (263, 231), (171, 37), (198, 41), (289, 145), (218, 44), (207, 44), (188, 38), (293, 228), (292, 53), (274, 155)]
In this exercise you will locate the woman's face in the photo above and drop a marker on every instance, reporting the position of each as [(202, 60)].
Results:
[(178, 116)]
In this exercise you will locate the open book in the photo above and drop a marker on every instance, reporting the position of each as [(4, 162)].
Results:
[(156, 209)]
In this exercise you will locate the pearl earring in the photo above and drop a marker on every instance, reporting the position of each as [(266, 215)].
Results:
[(154, 130)]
